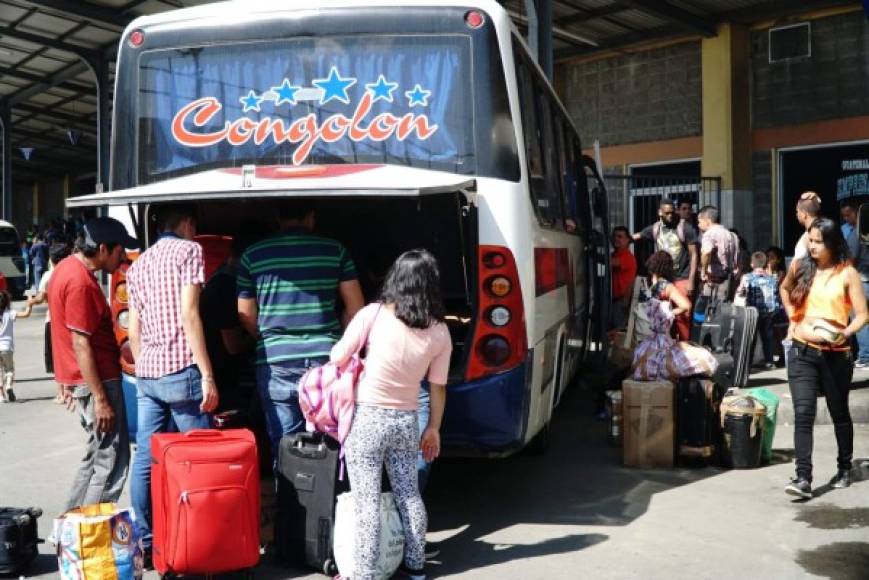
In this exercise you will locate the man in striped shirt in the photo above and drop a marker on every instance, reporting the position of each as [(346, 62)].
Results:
[(288, 290), (174, 379)]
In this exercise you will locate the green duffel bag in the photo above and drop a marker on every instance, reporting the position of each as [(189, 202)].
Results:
[(769, 400)]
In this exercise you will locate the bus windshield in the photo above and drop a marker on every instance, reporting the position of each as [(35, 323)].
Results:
[(326, 100)]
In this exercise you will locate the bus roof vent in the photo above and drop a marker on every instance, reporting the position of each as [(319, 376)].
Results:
[(790, 42)]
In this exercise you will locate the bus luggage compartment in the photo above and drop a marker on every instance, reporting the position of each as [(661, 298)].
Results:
[(376, 230)]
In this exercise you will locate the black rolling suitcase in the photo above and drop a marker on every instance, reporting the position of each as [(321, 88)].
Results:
[(744, 328), (307, 487), (698, 432), (18, 538), (713, 324)]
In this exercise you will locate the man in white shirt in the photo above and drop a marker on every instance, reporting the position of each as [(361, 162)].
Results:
[(808, 210)]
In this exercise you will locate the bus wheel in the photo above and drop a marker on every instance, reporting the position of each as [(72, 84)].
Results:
[(542, 441)]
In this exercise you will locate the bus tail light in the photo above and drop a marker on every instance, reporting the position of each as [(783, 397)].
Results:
[(120, 313), (500, 341), (137, 38)]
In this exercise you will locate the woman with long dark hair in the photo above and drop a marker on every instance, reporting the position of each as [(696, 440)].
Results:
[(819, 294), (407, 342)]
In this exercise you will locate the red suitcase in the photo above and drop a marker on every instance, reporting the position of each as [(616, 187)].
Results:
[(205, 494)]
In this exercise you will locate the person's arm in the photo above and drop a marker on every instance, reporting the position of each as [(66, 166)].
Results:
[(645, 234), (247, 315), (430, 442), (192, 325), (692, 267), (28, 308), (679, 300), (351, 340), (87, 364), (858, 302), (787, 286), (351, 295), (134, 333), (40, 298)]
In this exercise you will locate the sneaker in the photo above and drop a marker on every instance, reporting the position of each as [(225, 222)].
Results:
[(800, 487), (861, 365), (410, 573), (10, 394), (432, 550), (769, 366), (842, 479)]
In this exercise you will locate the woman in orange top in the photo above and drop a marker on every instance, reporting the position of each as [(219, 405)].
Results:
[(819, 294)]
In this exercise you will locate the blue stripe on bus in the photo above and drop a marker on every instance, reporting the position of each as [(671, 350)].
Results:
[(489, 414)]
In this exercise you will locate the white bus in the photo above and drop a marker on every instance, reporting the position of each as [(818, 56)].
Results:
[(407, 125)]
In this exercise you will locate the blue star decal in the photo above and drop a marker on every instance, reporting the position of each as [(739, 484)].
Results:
[(334, 87), (418, 96), (382, 89), (251, 102), (286, 93)]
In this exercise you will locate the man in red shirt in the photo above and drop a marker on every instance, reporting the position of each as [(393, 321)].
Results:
[(624, 266), (86, 359)]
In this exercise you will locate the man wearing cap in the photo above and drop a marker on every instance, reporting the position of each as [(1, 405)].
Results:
[(86, 358), (174, 378)]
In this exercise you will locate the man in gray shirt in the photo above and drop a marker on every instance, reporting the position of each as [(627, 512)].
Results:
[(860, 255)]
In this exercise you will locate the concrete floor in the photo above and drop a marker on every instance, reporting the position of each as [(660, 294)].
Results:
[(572, 513)]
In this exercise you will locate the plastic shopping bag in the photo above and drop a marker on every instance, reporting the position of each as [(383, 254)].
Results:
[(98, 542), (391, 536)]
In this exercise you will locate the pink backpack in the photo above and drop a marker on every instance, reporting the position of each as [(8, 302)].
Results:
[(328, 393)]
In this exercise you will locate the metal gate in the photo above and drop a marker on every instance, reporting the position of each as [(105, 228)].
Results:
[(634, 199)]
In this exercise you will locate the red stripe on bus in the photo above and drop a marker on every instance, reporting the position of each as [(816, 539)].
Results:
[(551, 269)]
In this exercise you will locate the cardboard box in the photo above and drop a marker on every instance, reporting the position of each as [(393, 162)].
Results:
[(649, 423)]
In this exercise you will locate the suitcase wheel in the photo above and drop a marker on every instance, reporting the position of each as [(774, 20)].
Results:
[(329, 567)]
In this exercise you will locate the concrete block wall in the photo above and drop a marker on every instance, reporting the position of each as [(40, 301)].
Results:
[(632, 98), (833, 83)]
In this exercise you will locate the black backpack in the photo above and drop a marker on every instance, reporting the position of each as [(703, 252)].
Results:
[(18, 538)]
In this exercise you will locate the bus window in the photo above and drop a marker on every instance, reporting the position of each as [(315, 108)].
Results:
[(538, 148), (552, 192), (568, 178), (531, 130)]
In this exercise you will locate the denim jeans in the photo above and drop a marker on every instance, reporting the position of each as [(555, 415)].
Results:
[(278, 388), (171, 398), (103, 470), (863, 336), (423, 467), (810, 372)]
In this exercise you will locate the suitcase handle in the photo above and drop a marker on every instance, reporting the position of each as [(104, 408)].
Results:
[(205, 433)]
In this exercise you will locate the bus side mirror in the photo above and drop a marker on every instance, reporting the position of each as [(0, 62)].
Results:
[(863, 223)]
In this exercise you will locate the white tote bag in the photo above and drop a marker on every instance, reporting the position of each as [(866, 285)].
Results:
[(391, 536)]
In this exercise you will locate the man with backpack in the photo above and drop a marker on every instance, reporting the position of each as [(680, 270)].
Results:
[(679, 239), (718, 254)]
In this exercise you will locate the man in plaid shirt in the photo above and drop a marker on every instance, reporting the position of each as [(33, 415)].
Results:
[(173, 372)]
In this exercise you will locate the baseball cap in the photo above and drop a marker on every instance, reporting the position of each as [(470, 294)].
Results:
[(106, 230)]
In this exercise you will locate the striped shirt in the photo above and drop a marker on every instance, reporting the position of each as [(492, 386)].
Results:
[(154, 283), (294, 278)]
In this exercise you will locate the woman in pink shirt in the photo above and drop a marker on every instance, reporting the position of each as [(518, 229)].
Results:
[(408, 342)]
